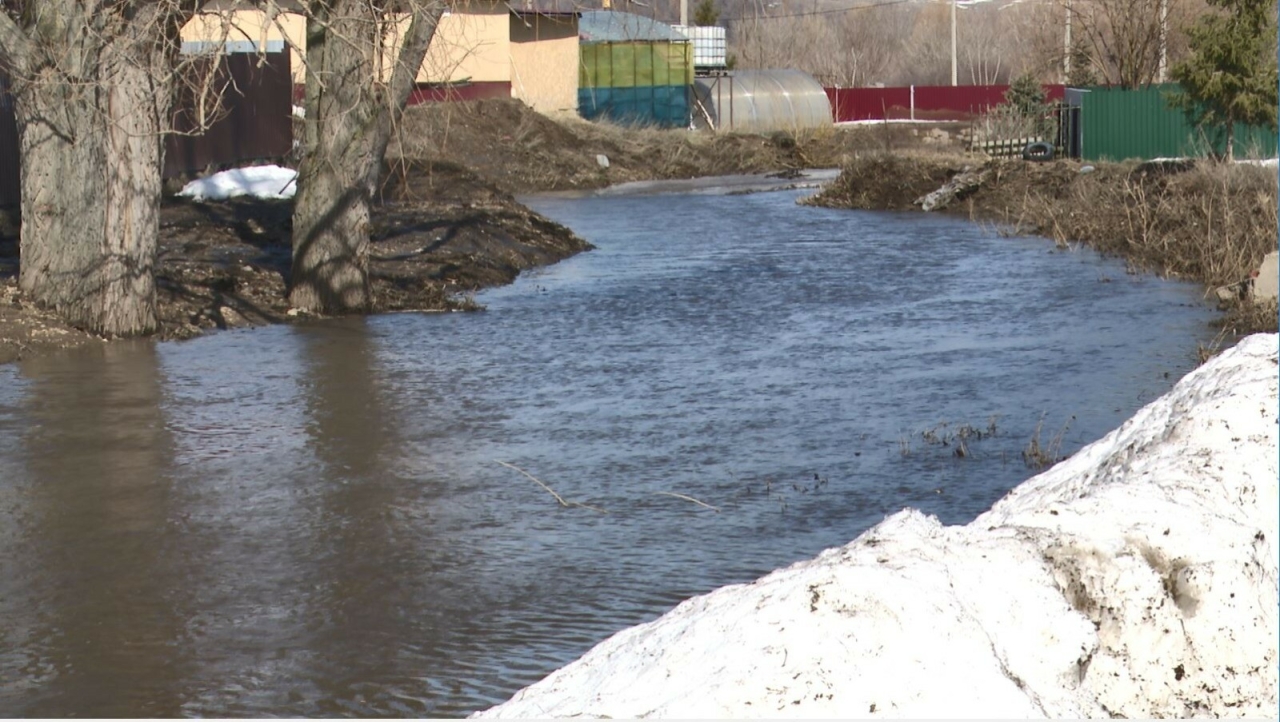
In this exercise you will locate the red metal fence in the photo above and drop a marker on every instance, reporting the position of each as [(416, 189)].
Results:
[(920, 102), (255, 123)]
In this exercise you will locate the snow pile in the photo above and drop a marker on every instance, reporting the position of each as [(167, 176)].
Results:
[(1136, 579), (264, 181)]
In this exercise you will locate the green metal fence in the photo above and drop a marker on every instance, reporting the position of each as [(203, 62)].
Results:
[(1121, 123)]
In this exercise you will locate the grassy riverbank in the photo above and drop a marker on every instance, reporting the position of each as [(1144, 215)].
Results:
[(1212, 223)]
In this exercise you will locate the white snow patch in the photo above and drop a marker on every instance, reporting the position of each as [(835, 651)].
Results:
[(1137, 579), (1264, 162), (264, 181), (908, 121)]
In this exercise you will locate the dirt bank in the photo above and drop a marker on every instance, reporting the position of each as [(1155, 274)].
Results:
[(441, 233), (1212, 223), (524, 152)]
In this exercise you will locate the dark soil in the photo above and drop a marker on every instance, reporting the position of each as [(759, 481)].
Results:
[(439, 234), (888, 182)]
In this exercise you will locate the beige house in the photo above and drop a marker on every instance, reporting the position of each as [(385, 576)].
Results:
[(544, 60), (482, 48)]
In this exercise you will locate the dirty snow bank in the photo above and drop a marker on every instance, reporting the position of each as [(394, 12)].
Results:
[(264, 181), (1136, 579)]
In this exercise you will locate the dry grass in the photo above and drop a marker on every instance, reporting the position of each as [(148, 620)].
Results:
[(523, 151), (1041, 454), (888, 181), (1247, 317), (1212, 224)]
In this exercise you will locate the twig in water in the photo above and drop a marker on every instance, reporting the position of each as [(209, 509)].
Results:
[(551, 491), (689, 498), (537, 481)]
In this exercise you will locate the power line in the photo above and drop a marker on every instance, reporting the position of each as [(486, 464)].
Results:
[(832, 11)]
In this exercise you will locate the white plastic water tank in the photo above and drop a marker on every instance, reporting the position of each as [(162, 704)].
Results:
[(708, 45)]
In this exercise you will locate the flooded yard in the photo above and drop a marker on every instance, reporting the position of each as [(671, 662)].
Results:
[(312, 520)]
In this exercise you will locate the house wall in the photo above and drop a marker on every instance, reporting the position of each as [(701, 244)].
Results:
[(470, 43), (544, 62), (251, 25)]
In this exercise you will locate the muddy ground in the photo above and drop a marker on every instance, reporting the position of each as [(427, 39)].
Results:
[(446, 225), (226, 265)]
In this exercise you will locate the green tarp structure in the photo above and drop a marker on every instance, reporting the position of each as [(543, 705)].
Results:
[(636, 82), (1121, 123), (633, 69), (631, 64)]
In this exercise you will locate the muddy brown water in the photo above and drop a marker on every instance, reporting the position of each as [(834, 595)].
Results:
[(312, 520)]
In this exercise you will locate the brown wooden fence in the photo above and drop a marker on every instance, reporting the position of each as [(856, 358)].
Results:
[(255, 122), (10, 159)]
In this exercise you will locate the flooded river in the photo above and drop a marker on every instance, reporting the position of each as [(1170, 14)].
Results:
[(312, 520)]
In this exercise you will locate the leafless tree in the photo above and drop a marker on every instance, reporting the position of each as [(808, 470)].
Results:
[(929, 48), (1124, 37), (93, 82), (870, 44), (858, 47), (362, 59), (1032, 35), (983, 55)]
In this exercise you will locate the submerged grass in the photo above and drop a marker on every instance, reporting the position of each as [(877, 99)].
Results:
[(1040, 454)]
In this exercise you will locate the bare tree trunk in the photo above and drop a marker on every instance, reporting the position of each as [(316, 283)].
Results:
[(89, 113), (91, 198), (350, 115)]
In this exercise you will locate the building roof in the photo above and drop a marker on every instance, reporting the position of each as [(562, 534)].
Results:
[(610, 26), (550, 7), (566, 7)]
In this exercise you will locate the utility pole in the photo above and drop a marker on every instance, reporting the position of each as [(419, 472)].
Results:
[(953, 43), (1162, 70), (684, 13), (1066, 47)]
